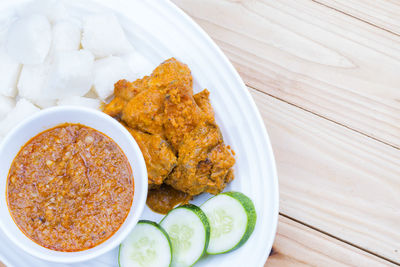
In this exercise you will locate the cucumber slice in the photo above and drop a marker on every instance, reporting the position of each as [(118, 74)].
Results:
[(232, 218), (189, 230), (147, 245)]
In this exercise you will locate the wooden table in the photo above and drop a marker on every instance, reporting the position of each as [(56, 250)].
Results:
[(325, 75)]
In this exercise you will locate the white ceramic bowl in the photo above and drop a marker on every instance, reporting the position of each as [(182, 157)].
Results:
[(52, 117)]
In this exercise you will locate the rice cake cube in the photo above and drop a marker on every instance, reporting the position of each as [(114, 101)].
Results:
[(107, 72), (22, 110), (28, 39), (81, 102), (104, 36)]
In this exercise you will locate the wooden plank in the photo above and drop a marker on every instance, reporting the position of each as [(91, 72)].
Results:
[(310, 55), (334, 179), (298, 245), (381, 13)]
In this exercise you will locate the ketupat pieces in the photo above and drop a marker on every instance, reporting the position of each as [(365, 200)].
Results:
[(23, 109), (104, 36), (6, 105), (9, 72), (80, 101), (66, 35), (70, 74), (49, 56), (176, 131), (106, 71), (23, 43), (140, 65), (54, 10)]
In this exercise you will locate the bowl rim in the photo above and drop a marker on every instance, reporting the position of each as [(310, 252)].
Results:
[(137, 205)]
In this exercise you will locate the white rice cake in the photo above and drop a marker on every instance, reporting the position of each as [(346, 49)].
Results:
[(32, 81), (81, 102), (71, 74), (138, 64), (66, 35), (44, 103), (9, 72), (28, 39), (107, 72), (22, 110), (54, 10), (104, 36), (6, 105)]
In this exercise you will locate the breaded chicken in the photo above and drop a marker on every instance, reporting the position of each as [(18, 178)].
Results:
[(145, 111), (169, 71), (203, 101), (181, 113), (203, 163), (159, 158), (175, 130)]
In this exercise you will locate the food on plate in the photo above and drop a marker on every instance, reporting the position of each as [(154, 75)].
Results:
[(66, 35), (54, 10), (232, 218), (50, 56), (108, 70), (80, 101), (70, 74), (176, 131), (222, 224), (189, 231), (70, 188), (23, 43), (204, 162), (22, 109), (164, 198), (6, 105), (104, 36), (158, 155), (9, 72), (147, 245), (32, 80), (138, 64)]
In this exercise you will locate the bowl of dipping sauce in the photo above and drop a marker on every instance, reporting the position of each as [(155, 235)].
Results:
[(73, 184)]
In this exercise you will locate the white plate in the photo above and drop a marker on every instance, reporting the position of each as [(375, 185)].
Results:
[(160, 30)]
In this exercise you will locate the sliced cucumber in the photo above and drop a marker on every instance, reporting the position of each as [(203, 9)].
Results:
[(147, 245), (232, 218), (189, 230)]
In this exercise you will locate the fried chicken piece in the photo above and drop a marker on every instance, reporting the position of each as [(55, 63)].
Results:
[(181, 112), (169, 71), (173, 127), (203, 101), (159, 158), (115, 107), (127, 90), (203, 163), (123, 92), (145, 111), (221, 173), (144, 98)]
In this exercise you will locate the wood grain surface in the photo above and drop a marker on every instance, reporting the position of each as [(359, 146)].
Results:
[(312, 56), (380, 13), (337, 180), (299, 245)]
